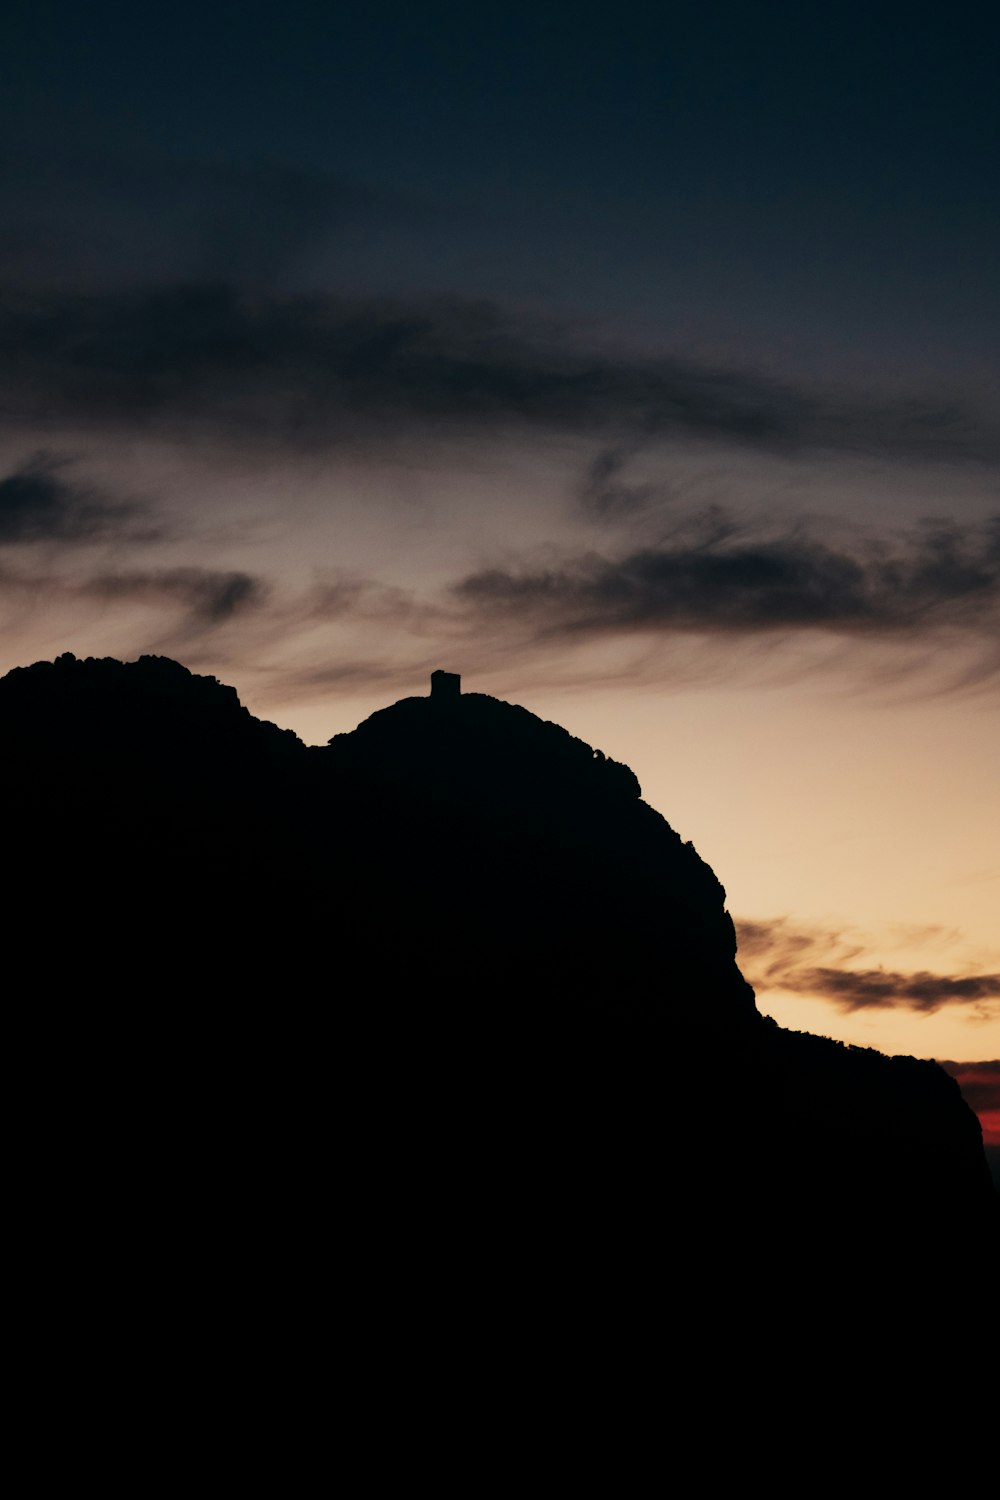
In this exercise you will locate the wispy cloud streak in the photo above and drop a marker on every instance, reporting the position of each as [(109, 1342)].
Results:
[(781, 955), (210, 595), (722, 578)]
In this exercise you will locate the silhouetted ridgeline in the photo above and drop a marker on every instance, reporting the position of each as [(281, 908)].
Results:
[(451, 967)]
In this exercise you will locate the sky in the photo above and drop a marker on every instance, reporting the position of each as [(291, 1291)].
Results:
[(638, 363)]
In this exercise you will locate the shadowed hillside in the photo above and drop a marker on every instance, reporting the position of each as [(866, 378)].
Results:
[(453, 968)]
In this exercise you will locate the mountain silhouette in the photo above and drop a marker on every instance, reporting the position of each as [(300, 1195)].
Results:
[(446, 981)]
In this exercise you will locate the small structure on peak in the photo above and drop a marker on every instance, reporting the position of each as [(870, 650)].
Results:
[(446, 687)]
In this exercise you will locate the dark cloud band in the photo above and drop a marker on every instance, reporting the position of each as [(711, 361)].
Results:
[(866, 988), (297, 369), (719, 580)]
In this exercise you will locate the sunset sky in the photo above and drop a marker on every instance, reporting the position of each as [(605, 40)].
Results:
[(637, 362)]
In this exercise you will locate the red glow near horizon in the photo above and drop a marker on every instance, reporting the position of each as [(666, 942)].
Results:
[(980, 1085)]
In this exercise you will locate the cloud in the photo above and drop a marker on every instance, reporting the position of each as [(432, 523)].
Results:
[(604, 494), (716, 577), (38, 504), (772, 952), (281, 634), (340, 595), (210, 596), (860, 989), (314, 369), (778, 954)]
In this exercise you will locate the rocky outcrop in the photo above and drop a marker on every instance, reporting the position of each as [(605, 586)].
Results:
[(455, 960)]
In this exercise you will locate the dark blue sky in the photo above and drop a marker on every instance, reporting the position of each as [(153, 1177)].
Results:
[(813, 186)]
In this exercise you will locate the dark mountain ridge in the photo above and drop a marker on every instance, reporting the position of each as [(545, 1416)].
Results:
[(454, 955)]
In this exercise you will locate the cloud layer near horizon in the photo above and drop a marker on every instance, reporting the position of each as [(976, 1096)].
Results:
[(711, 577), (206, 349)]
